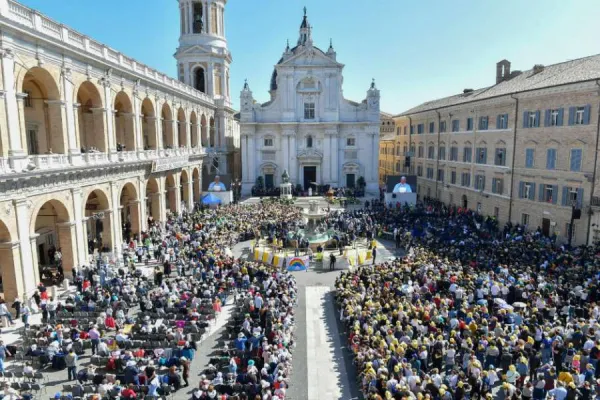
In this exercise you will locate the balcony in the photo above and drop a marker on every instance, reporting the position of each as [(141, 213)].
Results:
[(95, 158), (50, 161)]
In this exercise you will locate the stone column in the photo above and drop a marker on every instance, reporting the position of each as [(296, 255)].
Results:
[(134, 215), (186, 74), (16, 147), (73, 150), (76, 124), (188, 134), (293, 160), (34, 255), (109, 124), (190, 190), (67, 242), (175, 130), (327, 162), (157, 131), (210, 79), (81, 238), (28, 269), (137, 123), (207, 17), (117, 223), (335, 167), (10, 270), (143, 207)]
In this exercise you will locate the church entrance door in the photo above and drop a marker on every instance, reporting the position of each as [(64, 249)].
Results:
[(310, 175)]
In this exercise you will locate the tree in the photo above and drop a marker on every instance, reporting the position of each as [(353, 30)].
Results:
[(260, 183), (361, 182)]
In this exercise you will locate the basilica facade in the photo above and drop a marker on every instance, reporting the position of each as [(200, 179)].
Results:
[(308, 128)]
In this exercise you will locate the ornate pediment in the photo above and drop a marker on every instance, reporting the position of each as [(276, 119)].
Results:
[(310, 155), (310, 56)]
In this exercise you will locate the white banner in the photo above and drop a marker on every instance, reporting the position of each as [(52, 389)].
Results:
[(168, 163)]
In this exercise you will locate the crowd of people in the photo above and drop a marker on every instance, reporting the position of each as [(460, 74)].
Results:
[(142, 324), (473, 310)]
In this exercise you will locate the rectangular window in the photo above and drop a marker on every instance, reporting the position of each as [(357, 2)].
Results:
[(453, 153), (442, 126), (420, 128), (431, 127), (480, 182), (529, 158), (440, 175), (453, 177), (429, 173), (431, 152), (309, 110), (455, 125), (404, 131), (525, 219), (502, 121), (575, 162), (481, 155), (421, 151), (572, 196), (579, 111), (442, 153), (569, 230), (551, 159), (412, 129), (469, 124), (527, 190), (420, 170), (497, 185), (496, 212), (483, 123), (268, 142), (27, 99), (467, 154), (554, 117), (350, 141), (500, 158), (465, 179), (547, 193)]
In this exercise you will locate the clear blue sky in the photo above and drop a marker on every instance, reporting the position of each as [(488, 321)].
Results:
[(416, 50)]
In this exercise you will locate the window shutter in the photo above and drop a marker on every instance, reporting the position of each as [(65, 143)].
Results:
[(493, 185), (537, 118), (579, 197), (561, 112), (532, 192), (482, 182), (554, 194), (586, 114), (572, 111), (547, 118), (498, 122), (521, 189), (485, 155), (525, 119), (505, 121), (541, 193)]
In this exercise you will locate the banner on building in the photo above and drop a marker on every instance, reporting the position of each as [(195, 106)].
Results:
[(169, 163), (298, 263)]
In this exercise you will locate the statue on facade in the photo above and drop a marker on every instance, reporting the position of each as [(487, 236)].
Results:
[(285, 178)]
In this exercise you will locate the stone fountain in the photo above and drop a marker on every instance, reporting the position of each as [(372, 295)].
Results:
[(315, 234)]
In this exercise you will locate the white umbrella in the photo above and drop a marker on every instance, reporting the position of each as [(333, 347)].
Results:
[(519, 304)]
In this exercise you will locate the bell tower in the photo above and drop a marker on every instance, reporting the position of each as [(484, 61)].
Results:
[(203, 59)]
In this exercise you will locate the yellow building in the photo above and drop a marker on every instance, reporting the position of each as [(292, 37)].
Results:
[(388, 149)]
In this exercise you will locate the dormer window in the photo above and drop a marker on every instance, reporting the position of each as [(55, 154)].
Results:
[(309, 142), (309, 110)]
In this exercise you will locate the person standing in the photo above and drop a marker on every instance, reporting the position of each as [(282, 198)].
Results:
[(332, 261), (5, 313), (374, 254), (25, 313), (71, 361), (94, 335), (3, 354), (17, 306)]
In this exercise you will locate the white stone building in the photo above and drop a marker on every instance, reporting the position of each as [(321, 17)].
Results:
[(308, 128), (92, 142)]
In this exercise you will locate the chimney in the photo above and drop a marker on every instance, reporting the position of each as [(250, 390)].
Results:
[(537, 68), (502, 71)]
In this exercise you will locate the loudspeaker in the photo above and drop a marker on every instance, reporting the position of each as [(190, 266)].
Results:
[(576, 213)]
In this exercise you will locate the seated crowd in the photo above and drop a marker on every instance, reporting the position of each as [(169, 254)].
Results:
[(472, 310), (142, 327)]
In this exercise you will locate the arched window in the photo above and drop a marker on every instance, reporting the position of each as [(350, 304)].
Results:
[(199, 79), (198, 24), (309, 141)]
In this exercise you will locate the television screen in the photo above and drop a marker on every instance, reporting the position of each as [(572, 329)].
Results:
[(392, 181)]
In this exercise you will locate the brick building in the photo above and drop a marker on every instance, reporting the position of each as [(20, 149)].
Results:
[(522, 150)]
